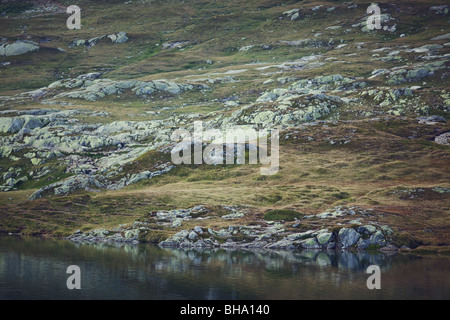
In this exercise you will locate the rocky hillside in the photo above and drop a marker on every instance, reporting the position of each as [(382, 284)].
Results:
[(86, 118)]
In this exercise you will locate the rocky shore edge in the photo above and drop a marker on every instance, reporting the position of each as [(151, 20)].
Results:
[(266, 235)]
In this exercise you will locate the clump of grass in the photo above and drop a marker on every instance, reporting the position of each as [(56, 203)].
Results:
[(303, 227), (373, 247), (282, 214), (341, 195), (271, 198)]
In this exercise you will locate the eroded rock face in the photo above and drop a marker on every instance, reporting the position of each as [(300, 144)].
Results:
[(271, 236), (303, 101), (69, 185)]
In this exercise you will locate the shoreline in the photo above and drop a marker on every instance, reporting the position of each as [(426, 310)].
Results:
[(422, 250)]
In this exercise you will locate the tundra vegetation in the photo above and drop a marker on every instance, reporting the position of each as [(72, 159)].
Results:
[(86, 118)]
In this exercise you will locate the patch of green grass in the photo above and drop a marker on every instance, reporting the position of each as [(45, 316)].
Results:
[(405, 239), (373, 247), (16, 7), (153, 236)]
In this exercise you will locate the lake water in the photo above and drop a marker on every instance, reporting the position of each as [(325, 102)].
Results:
[(36, 269)]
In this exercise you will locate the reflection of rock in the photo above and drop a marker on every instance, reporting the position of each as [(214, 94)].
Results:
[(91, 182), (277, 260), (268, 238), (416, 73), (348, 260), (45, 134), (376, 239), (367, 230)]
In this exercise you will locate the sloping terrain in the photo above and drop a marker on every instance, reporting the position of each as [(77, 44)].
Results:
[(87, 116)]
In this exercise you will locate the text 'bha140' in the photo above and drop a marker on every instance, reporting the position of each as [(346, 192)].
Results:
[(228, 146)]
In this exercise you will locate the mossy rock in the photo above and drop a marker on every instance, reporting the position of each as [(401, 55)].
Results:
[(282, 214), (153, 236)]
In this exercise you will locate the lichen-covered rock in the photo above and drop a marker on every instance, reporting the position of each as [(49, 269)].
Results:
[(310, 244), (31, 122), (348, 237), (324, 238), (192, 235), (77, 42), (95, 89), (132, 234), (367, 230), (5, 151), (416, 73), (377, 239), (301, 235), (235, 215)]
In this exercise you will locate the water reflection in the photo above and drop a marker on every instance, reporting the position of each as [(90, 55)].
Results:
[(34, 269)]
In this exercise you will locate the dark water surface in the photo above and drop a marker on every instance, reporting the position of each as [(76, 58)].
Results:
[(36, 269)]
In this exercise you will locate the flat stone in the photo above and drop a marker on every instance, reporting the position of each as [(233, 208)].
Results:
[(19, 47), (348, 237)]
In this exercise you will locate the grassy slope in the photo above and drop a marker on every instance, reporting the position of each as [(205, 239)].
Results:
[(314, 175)]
